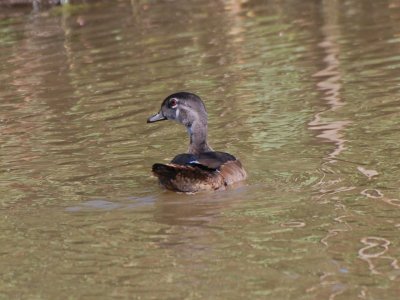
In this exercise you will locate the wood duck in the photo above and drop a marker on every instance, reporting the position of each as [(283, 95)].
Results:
[(200, 168)]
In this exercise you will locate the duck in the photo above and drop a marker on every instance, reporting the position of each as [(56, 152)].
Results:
[(200, 168)]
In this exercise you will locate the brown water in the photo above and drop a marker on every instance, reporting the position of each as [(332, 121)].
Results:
[(305, 93)]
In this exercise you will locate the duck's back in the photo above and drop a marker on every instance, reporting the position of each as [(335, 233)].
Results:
[(206, 171)]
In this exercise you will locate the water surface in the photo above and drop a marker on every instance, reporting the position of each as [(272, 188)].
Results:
[(305, 93)]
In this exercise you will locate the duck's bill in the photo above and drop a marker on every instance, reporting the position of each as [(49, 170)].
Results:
[(157, 117)]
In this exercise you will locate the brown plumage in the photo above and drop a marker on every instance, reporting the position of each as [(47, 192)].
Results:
[(201, 168)]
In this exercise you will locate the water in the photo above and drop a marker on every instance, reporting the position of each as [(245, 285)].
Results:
[(305, 93)]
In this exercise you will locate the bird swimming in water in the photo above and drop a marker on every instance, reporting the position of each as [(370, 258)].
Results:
[(201, 168)]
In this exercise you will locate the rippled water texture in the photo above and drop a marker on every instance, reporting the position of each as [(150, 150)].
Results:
[(305, 93)]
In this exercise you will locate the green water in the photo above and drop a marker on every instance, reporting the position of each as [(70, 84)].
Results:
[(305, 93)]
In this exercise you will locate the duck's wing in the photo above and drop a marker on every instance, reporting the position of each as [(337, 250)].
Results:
[(215, 159), (226, 164), (207, 171), (210, 160), (188, 178)]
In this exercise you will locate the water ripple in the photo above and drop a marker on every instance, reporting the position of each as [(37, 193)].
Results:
[(373, 254)]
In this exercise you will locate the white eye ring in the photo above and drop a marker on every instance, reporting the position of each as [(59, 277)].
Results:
[(173, 103)]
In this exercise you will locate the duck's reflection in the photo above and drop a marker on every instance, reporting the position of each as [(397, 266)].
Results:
[(195, 210), (191, 224)]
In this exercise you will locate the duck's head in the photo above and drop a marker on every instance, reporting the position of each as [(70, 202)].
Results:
[(183, 107)]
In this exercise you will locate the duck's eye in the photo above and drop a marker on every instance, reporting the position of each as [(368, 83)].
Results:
[(173, 103)]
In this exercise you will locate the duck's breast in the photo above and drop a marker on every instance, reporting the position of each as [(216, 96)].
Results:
[(232, 171)]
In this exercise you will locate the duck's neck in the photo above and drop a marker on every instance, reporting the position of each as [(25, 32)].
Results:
[(198, 138)]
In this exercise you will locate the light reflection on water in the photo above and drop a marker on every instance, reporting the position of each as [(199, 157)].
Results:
[(304, 93)]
